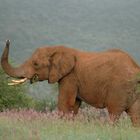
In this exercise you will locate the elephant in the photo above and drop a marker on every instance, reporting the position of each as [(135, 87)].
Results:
[(106, 79)]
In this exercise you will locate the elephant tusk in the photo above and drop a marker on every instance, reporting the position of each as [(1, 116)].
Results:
[(12, 84), (16, 82), (19, 81)]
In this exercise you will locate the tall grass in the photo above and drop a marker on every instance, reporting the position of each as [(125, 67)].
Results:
[(32, 125)]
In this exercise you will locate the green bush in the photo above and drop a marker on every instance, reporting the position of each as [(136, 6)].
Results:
[(13, 96)]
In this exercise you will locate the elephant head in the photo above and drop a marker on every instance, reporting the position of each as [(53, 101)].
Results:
[(46, 63)]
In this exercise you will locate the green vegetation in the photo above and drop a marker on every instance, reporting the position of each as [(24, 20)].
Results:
[(32, 125), (13, 97)]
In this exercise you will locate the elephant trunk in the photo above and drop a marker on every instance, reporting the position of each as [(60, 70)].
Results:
[(13, 72)]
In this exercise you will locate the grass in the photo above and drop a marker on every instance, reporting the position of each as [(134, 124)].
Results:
[(32, 125)]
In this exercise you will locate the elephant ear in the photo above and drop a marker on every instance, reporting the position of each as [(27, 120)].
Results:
[(61, 64)]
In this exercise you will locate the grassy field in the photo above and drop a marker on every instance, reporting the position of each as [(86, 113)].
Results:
[(87, 125)]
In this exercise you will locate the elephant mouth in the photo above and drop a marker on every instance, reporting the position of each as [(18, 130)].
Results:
[(34, 79), (14, 82)]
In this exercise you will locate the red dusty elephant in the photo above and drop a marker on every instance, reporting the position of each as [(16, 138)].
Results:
[(101, 79)]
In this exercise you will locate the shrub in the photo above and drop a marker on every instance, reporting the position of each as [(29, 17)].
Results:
[(13, 96)]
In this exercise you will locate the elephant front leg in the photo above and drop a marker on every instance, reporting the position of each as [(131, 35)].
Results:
[(67, 107), (77, 105), (67, 98)]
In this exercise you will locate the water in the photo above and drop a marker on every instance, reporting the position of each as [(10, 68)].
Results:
[(92, 25)]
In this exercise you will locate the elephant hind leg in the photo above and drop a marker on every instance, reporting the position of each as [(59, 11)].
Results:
[(134, 112), (115, 109), (114, 115)]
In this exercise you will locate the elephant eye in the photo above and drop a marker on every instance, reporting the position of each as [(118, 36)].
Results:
[(36, 65)]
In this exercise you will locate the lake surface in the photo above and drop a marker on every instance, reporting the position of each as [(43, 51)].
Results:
[(92, 25)]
